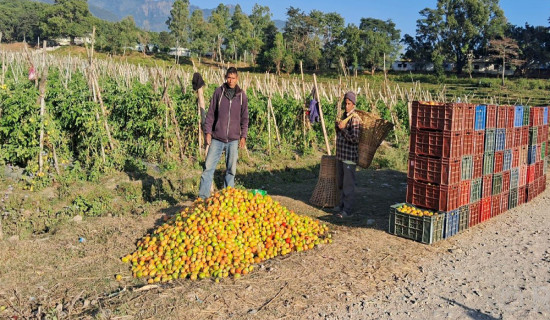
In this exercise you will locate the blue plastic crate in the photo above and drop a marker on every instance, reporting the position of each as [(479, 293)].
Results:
[(545, 115), (480, 120), (500, 139), (452, 219), (532, 154), (518, 116)]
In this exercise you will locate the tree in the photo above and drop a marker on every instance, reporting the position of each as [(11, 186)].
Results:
[(507, 51), (201, 34), (220, 20), (380, 42), (534, 45), (457, 27), (178, 22), (352, 45), (239, 39), (126, 33), (260, 18), (66, 18), (331, 37), (19, 20), (276, 55)]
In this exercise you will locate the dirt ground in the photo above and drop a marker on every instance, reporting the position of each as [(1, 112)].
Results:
[(496, 270)]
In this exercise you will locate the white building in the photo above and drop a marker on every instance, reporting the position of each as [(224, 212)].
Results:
[(180, 52)]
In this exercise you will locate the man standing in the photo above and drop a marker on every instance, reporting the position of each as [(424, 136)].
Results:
[(226, 128), (347, 131)]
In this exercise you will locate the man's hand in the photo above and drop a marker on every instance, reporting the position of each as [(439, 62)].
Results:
[(208, 139), (242, 143), (341, 125)]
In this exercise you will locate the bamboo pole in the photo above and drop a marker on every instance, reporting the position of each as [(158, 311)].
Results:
[(270, 108), (321, 115), (305, 105), (42, 102)]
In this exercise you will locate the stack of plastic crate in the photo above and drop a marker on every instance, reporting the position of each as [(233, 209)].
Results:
[(537, 151), (441, 160)]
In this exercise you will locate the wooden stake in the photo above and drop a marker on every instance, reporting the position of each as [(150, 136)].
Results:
[(321, 114)]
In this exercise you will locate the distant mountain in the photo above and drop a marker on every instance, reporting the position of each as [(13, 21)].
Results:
[(148, 14)]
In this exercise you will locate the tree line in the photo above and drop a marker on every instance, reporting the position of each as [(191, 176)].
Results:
[(454, 31)]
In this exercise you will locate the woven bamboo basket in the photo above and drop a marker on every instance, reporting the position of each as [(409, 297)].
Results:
[(326, 193), (373, 132)]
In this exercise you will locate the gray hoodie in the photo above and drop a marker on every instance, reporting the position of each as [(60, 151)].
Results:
[(227, 120)]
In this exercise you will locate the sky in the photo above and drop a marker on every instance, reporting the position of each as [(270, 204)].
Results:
[(403, 13)]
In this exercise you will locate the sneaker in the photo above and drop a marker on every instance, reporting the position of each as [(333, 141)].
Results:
[(337, 209), (344, 214)]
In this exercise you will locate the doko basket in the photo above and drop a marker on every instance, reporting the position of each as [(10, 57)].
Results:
[(326, 192), (373, 132)]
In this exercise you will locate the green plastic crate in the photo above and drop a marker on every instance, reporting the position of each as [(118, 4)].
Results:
[(490, 136), (464, 218), (467, 168), (533, 135), (513, 201), (427, 229), (526, 112), (258, 191), (488, 162), (543, 147), (497, 183), (475, 193)]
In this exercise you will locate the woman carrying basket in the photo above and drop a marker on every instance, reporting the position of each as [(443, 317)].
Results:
[(348, 132)]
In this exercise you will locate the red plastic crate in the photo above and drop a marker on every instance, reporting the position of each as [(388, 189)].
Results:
[(486, 208), (502, 113), (504, 199), (465, 192), (436, 144), (542, 187), (523, 155), (491, 119), (479, 142), (499, 161), (437, 116), (509, 139), (531, 191), (496, 210), (539, 169), (478, 166), (468, 142), (522, 194), (475, 214), (434, 197), (487, 186), (517, 137), (531, 169), (440, 171), (524, 136), (469, 116), (510, 114), (535, 117), (505, 181), (543, 134), (515, 157), (522, 175)]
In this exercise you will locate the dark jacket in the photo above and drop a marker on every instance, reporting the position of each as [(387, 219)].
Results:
[(227, 120)]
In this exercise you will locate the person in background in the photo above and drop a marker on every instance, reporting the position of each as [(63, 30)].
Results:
[(226, 129), (347, 142)]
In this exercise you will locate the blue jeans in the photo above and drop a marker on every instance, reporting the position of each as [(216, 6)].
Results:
[(212, 158)]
